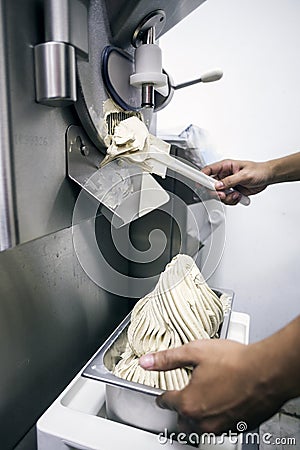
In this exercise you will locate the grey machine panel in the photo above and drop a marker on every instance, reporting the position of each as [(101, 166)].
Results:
[(44, 197), (52, 316), (52, 319)]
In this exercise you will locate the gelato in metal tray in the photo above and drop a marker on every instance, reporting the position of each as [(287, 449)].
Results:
[(133, 403)]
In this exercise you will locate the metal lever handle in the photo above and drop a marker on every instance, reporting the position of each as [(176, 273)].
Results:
[(213, 75)]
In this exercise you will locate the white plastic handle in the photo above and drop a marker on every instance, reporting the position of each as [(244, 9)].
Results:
[(212, 75), (194, 174), (189, 172)]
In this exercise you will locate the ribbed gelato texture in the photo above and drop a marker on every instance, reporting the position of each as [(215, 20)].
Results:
[(180, 309)]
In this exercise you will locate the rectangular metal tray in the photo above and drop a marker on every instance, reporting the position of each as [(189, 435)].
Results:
[(129, 402)]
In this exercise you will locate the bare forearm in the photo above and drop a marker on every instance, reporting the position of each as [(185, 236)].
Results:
[(284, 169), (279, 357), (252, 177)]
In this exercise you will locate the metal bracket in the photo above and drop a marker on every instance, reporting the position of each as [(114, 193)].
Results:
[(122, 187), (83, 157)]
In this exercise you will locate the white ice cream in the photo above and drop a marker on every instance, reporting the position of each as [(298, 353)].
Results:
[(132, 141), (180, 309)]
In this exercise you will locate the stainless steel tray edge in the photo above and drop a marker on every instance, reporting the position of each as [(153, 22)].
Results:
[(98, 371)]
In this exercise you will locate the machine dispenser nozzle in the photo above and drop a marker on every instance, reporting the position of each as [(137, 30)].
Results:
[(148, 88), (148, 66)]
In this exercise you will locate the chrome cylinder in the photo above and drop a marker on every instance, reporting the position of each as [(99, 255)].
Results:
[(148, 95), (55, 73)]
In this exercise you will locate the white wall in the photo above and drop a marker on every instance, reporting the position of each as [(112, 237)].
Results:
[(252, 113)]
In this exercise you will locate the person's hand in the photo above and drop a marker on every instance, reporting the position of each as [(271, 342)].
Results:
[(246, 176), (229, 384)]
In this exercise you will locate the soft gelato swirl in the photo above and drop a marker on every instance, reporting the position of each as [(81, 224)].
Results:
[(180, 309)]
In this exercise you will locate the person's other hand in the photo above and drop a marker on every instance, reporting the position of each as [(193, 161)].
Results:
[(228, 385), (247, 177)]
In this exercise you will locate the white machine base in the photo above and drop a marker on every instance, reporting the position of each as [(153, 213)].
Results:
[(76, 420)]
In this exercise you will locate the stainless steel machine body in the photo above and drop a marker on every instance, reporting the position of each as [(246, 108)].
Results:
[(52, 316)]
